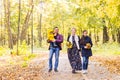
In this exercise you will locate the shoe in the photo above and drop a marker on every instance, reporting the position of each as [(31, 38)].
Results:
[(84, 71), (49, 70), (55, 70), (73, 71)]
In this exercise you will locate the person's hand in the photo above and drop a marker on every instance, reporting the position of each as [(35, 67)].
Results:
[(53, 40), (85, 47)]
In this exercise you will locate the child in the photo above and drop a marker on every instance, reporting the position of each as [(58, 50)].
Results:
[(86, 45)]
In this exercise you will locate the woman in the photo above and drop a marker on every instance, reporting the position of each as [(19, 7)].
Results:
[(73, 51), (86, 45)]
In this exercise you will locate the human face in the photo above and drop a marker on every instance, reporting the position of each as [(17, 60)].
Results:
[(85, 33), (56, 30), (73, 31)]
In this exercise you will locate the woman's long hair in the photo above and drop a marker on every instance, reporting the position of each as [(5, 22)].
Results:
[(82, 41)]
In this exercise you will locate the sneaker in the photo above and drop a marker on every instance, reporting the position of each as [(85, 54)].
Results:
[(55, 70), (84, 71), (49, 70), (73, 71)]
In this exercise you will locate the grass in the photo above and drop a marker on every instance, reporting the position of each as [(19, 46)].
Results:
[(107, 49), (23, 53)]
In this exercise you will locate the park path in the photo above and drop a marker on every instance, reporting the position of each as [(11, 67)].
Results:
[(95, 72), (37, 69)]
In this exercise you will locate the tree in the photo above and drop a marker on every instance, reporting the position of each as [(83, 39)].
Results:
[(7, 24), (25, 25)]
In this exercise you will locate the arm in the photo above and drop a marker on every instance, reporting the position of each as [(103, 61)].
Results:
[(82, 46), (49, 41), (60, 39)]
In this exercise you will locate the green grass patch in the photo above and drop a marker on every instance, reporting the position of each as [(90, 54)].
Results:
[(107, 49)]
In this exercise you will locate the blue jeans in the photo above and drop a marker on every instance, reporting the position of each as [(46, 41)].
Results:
[(52, 51), (85, 61)]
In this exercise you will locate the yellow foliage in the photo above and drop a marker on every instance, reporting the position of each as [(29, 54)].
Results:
[(24, 64), (2, 51), (88, 45), (22, 49), (69, 44)]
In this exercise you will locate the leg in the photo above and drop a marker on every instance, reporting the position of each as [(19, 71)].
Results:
[(50, 58), (56, 58), (87, 61), (84, 63)]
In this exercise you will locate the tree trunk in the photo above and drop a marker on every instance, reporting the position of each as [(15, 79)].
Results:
[(105, 33), (18, 29), (118, 35), (28, 39), (25, 25), (95, 36), (39, 31), (113, 37), (32, 32), (1, 37), (7, 19), (112, 30)]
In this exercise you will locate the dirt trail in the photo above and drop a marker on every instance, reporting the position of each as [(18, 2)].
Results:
[(38, 70), (95, 71)]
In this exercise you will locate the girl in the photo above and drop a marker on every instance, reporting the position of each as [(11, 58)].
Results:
[(86, 45)]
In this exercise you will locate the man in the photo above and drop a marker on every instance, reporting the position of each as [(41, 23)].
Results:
[(55, 47)]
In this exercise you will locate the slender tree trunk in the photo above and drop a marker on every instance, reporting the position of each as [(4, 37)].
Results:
[(9, 28), (25, 25), (113, 37), (1, 38), (18, 34), (5, 25), (39, 31), (95, 36), (105, 33), (7, 19), (28, 39), (90, 34), (32, 32), (112, 30), (118, 35)]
